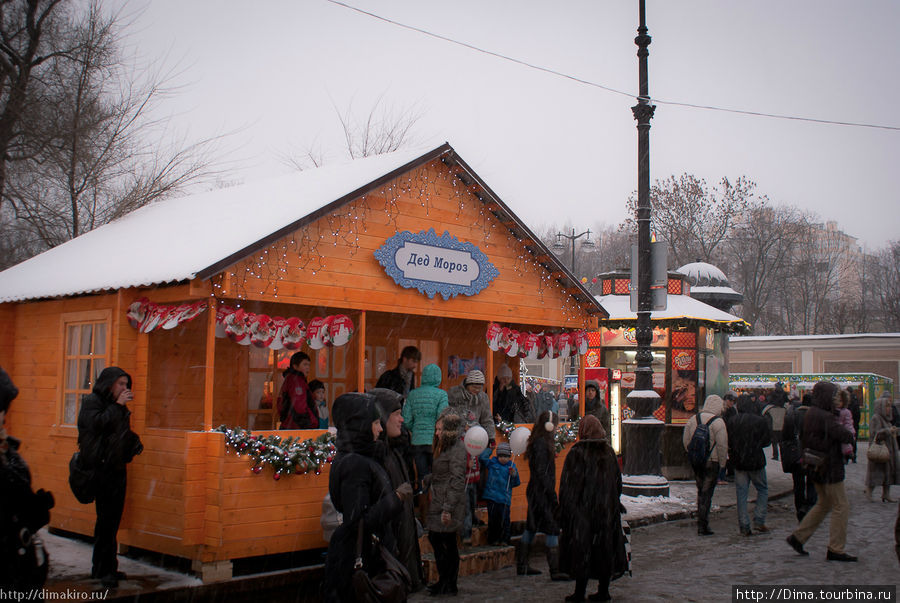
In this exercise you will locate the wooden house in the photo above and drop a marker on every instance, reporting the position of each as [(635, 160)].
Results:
[(346, 241)]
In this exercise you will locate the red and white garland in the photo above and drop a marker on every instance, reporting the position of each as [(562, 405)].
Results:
[(263, 331), (145, 316), (246, 328), (535, 346)]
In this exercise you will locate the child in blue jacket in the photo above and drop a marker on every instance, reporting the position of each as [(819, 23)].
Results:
[(502, 477)]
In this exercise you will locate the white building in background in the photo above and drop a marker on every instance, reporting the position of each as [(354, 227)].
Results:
[(877, 353)]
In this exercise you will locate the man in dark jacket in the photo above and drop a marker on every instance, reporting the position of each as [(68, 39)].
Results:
[(823, 435), (594, 404), (107, 445), (855, 413), (748, 434), (510, 404), (791, 458), (402, 378)]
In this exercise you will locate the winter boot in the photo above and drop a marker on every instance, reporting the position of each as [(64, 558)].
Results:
[(553, 562), (522, 568), (886, 494)]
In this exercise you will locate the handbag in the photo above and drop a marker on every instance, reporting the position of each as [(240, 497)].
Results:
[(389, 583), (813, 460), (878, 453), (82, 480)]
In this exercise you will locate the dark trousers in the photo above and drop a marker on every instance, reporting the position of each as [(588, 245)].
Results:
[(605, 572), (498, 522), (706, 479), (109, 505), (805, 496), (446, 556), (423, 458)]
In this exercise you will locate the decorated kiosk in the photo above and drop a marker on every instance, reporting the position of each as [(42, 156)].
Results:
[(690, 357), (204, 298)]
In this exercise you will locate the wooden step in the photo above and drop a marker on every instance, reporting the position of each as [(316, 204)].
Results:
[(474, 560)]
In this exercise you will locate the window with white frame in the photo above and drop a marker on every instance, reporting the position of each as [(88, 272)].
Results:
[(85, 355)]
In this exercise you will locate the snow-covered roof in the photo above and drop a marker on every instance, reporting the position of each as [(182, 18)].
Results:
[(702, 274), (183, 238), (677, 306), (175, 239), (813, 337)]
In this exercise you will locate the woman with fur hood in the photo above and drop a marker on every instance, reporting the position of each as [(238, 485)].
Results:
[(592, 543), (883, 474), (361, 490), (541, 496), (448, 501)]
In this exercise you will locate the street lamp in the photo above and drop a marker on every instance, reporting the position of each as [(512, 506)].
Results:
[(560, 246), (641, 470)]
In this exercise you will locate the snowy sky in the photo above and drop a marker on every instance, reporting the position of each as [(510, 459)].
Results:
[(554, 149)]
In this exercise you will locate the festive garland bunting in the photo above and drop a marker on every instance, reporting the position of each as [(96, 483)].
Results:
[(285, 456), (145, 316), (263, 331), (535, 346)]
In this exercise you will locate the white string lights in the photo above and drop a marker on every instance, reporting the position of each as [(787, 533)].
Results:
[(259, 276)]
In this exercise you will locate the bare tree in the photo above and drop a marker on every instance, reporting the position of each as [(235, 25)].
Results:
[(885, 285), (33, 41), (100, 155), (757, 255), (693, 218), (382, 130)]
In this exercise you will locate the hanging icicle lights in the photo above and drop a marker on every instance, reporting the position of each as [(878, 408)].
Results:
[(258, 276)]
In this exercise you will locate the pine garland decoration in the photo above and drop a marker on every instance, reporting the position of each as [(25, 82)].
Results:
[(285, 456)]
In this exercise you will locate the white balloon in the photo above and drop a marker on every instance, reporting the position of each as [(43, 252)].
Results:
[(476, 440), (518, 439)]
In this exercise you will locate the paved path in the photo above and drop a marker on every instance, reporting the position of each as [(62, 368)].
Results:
[(671, 562)]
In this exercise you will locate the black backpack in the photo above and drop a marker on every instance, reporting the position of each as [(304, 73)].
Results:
[(698, 449)]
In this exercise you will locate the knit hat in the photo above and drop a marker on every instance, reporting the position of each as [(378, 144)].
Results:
[(504, 371), (504, 449), (474, 377)]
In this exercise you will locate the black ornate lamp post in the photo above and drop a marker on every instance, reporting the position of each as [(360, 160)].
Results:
[(642, 433), (560, 246)]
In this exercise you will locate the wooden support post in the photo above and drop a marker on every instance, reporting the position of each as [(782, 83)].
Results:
[(489, 375), (580, 386), (209, 377), (361, 352)]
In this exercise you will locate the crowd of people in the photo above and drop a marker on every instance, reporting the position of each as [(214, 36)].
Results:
[(814, 437), (401, 459), (402, 469)]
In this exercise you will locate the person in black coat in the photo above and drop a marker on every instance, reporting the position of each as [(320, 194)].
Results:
[(392, 445), (592, 543), (791, 456), (823, 435), (107, 445), (23, 560), (402, 378), (856, 413), (748, 434), (541, 496), (361, 490), (510, 404)]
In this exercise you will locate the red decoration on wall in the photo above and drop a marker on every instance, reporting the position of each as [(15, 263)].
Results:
[(684, 360), (684, 339)]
